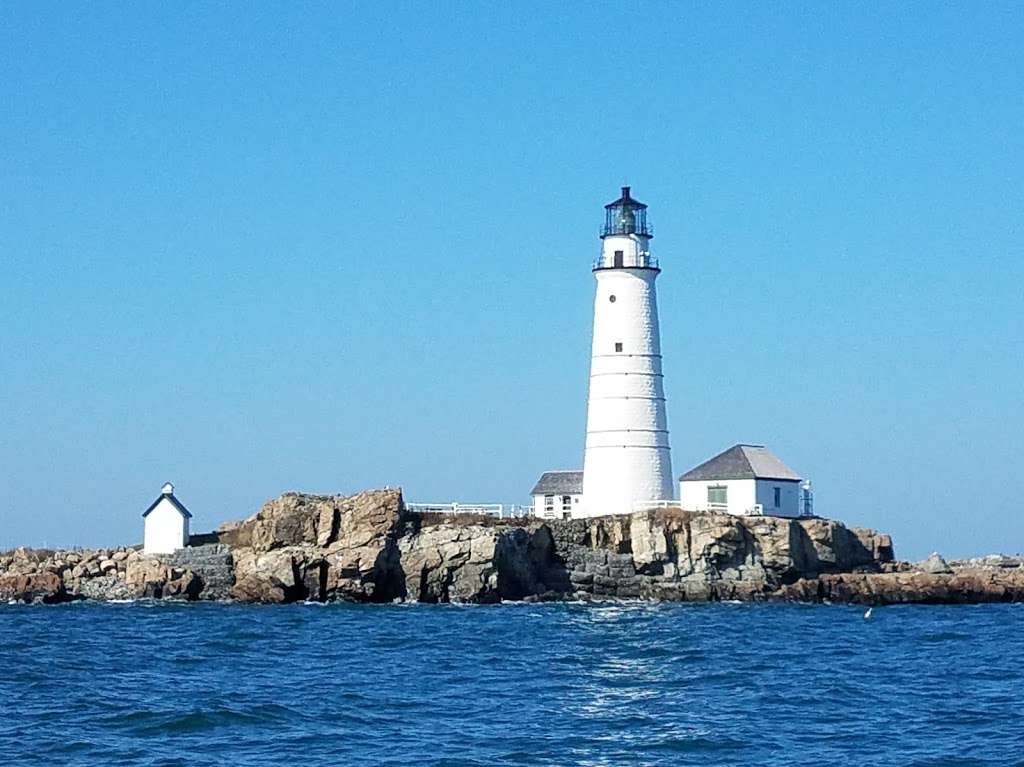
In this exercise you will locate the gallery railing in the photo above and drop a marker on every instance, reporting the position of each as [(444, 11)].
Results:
[(643, 261)]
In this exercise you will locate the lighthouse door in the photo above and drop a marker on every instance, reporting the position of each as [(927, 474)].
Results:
[(618, 259)]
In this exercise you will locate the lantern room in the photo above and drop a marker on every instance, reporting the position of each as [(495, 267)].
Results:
[(625, 217)]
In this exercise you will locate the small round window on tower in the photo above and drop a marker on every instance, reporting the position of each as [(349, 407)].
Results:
[(612, 299)]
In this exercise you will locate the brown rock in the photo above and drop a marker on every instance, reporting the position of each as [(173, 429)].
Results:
[(39, 587), (146, 576), (447, 563), (267, 576), (934, 564), (252, 589), (185, 586), (368, 548)]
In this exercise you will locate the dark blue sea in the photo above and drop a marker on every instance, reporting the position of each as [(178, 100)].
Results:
[(562, 684)]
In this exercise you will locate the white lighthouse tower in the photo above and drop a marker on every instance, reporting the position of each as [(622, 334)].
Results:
[(626, 460)]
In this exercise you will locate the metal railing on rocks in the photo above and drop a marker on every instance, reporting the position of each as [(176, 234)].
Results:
[(498, 510)]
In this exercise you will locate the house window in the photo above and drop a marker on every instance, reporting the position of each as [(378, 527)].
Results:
[(718, 495), (549, 503), (566, 502), (618, 346), (618, 259), (778, 497)]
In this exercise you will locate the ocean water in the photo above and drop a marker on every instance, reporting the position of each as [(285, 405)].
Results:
[(560, 684)]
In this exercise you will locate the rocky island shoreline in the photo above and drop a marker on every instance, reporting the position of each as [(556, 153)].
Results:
[(369, 548)]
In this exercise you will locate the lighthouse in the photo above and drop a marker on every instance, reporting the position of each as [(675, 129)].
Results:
[(626, 460)]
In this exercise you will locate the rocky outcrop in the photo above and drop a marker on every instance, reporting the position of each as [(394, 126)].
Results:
[(113, 574), (962, 586), (473, 563), (369, 548), (31, 587), (679, 555), (934, 565), (320, 548)]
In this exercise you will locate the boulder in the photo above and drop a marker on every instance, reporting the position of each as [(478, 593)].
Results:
[(318, 520), (325, 547), (184, 586), (290, 520), (997, 560), (105, 588), (934, 564), (251, 589), (267, 576), (37, 587), (877, 545), (146, 576), (451, 563)]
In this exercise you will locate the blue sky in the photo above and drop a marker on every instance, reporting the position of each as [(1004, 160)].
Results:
[(317, 247)]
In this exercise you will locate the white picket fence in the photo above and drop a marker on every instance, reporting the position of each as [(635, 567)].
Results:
[(499, 510), (651, 505)]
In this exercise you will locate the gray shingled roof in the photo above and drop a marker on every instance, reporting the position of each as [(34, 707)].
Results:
[(174, 502), (743, 462), (559, 483)]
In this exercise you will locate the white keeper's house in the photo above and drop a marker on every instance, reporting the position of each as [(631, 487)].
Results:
[(745, 479), (557, 494), (166, 523)]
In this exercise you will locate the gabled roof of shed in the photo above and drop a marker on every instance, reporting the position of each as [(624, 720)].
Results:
[(174, 502), (743, 462), (559, 483)]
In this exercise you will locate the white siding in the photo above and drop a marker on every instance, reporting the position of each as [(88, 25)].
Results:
[(558, 506), (539, 509), (627, 457), (166, 529), (743, 495), (789, 492)]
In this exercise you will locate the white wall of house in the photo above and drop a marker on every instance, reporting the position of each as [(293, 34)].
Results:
[(789, 497), (166, 529), (555, 506), (742, 495)]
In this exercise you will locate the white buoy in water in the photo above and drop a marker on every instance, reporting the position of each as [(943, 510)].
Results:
[(867, 615)]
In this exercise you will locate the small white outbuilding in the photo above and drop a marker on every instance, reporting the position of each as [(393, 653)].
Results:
[(166, 524), (557, 494), (745, 479)]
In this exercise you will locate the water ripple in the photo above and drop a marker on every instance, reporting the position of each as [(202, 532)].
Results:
[(152, 683)]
